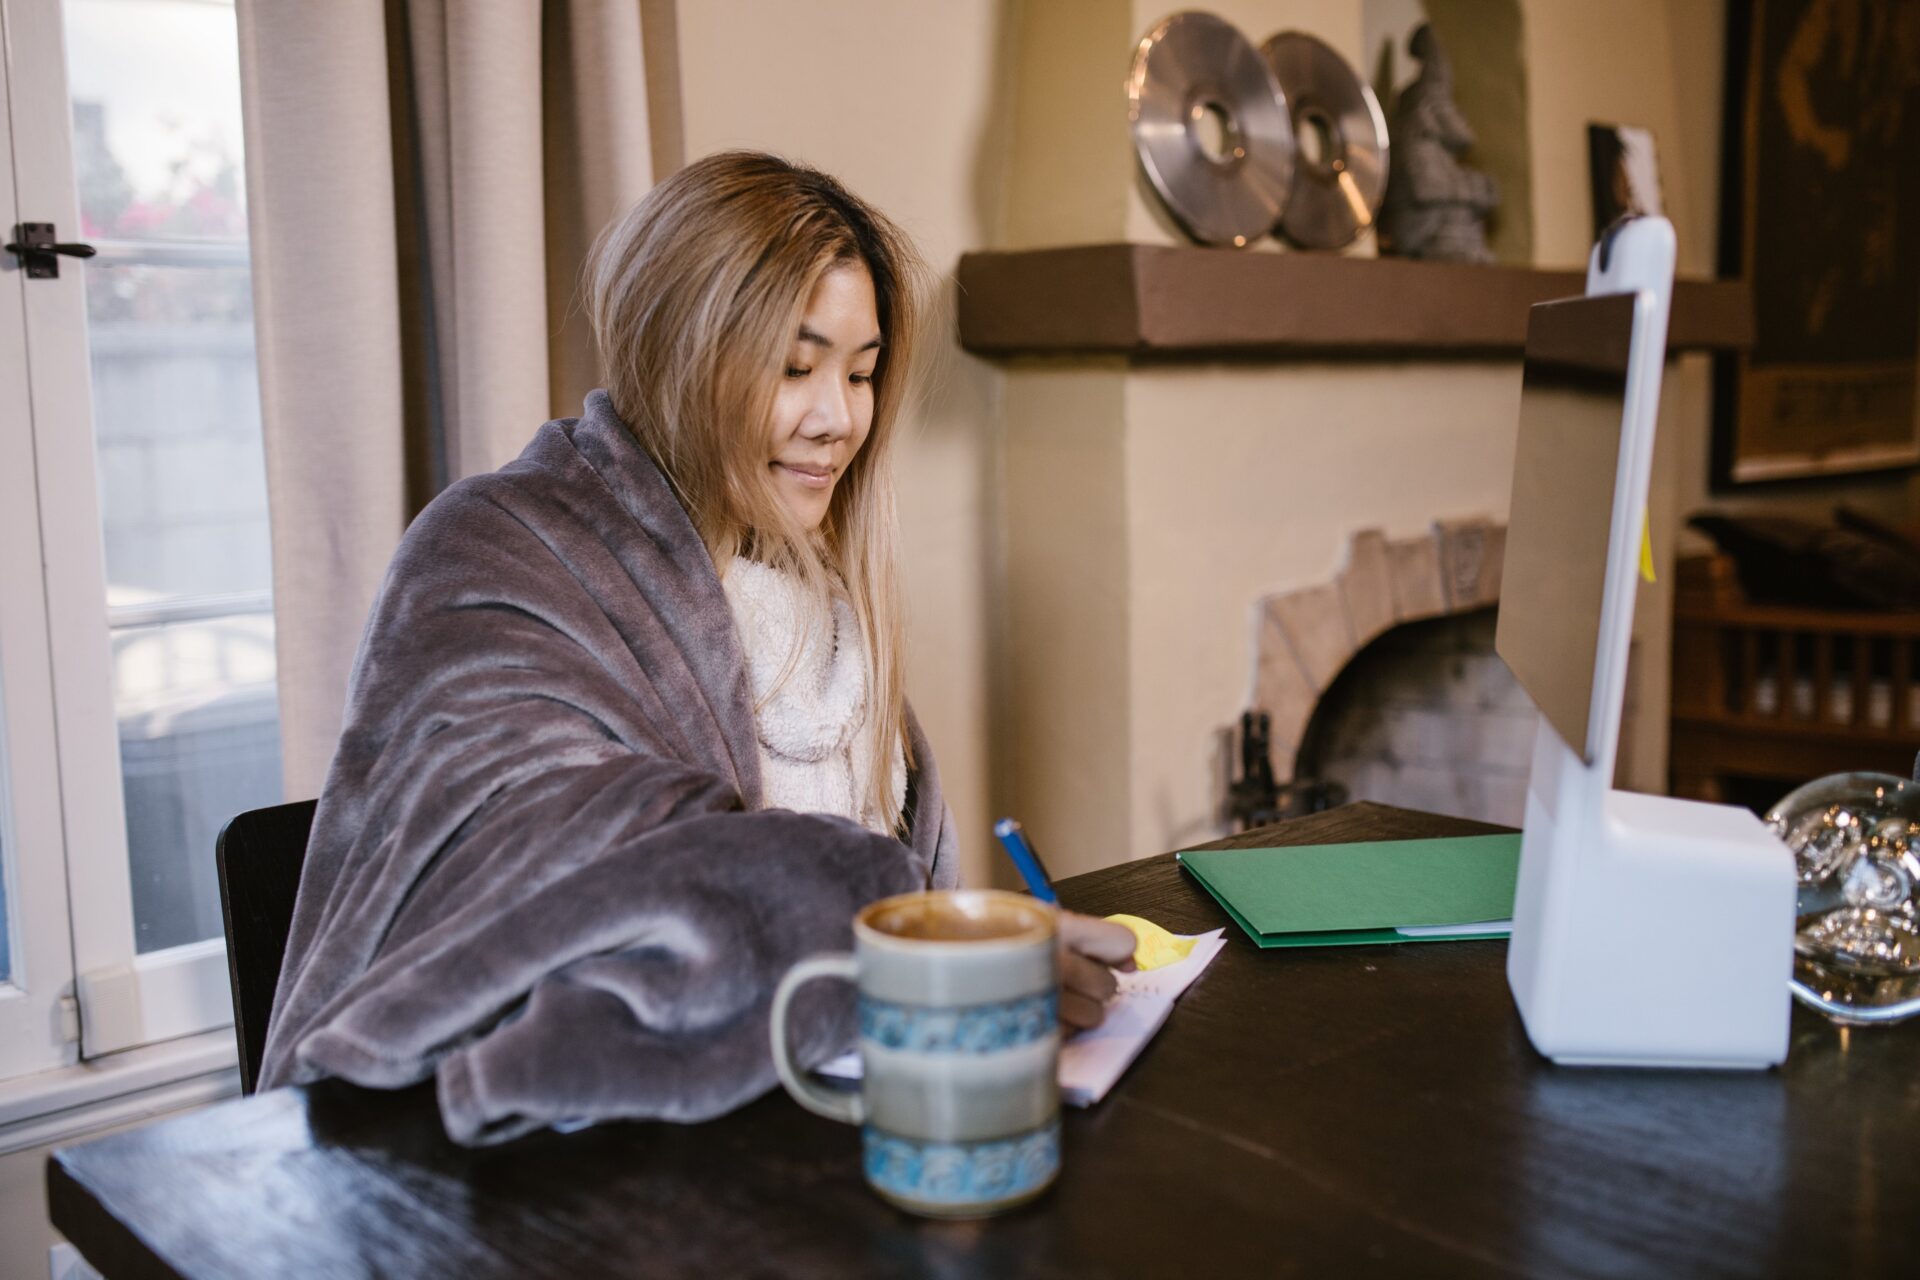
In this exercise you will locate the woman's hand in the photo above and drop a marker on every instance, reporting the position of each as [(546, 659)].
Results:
[(1090, 950)]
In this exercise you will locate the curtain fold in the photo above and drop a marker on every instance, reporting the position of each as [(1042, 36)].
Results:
[(598, 132), (424, 179)]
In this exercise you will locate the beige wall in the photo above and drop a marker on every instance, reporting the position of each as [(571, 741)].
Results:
[(1070, 164), (903, 102), (1619, 63), (1065, 763), (25, 1233)]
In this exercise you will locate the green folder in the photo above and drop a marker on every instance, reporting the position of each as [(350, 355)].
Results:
[(1342, 895)]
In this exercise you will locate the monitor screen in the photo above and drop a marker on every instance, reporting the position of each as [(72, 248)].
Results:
[(1553, 581)]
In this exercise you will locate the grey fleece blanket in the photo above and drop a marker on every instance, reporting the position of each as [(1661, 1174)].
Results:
[(537, 872)]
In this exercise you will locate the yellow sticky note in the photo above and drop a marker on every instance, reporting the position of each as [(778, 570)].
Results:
[(1646, 546), (1154, 946)]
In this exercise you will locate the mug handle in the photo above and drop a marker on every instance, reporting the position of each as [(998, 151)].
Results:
[(846, 1107)]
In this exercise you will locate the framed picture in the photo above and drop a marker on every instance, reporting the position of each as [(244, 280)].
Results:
[(1820, 201)]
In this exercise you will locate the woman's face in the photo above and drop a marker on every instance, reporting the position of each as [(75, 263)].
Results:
[(824, 408)]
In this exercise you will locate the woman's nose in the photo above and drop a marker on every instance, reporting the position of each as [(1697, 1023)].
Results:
[(831, 417)]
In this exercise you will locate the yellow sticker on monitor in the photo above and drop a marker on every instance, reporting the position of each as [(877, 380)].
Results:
[(1646, 546), (1154, 946)]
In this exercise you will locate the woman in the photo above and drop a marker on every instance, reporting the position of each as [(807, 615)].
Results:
[(626, 736)]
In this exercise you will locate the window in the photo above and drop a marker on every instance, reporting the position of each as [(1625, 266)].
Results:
[(155, 88), (137, 446)]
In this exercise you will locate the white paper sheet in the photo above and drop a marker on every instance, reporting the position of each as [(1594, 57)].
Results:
[(1091, 1061), (1482, 929)]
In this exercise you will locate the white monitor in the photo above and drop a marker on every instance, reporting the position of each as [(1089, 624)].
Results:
[(1647, 931)]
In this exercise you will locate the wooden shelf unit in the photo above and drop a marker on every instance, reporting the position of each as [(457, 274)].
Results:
[(1790, 694), (1159, 302)]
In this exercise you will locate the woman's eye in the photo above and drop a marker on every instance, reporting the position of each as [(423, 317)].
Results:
[(797, 373), (860, 379)]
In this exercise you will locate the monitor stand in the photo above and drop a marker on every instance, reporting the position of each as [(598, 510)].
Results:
[(1647, 931)]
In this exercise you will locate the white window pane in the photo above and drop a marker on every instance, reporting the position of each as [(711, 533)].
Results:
[(176, 411), (157, 142), (199, 742), (156, 119)]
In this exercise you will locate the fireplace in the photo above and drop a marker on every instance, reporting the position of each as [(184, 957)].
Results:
[(1383, 684), (1309, 634), (1193, 528), (1383, 679), (1427, 717)]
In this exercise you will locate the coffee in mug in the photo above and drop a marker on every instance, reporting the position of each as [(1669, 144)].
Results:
[(959, 1106)]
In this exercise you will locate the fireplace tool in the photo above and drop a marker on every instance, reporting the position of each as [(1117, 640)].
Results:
[(1254, 799)]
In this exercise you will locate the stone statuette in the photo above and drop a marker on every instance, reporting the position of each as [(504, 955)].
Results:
[(1436, 207)]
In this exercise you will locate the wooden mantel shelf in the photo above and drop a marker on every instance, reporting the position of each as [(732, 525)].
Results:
[(1157, 302)]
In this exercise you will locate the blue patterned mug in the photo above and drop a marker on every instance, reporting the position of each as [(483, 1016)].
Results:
[(959, 1107)]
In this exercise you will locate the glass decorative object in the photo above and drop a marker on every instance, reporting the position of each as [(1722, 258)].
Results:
[(1856, 846)]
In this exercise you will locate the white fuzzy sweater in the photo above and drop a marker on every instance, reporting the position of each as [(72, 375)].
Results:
[(816, 755)]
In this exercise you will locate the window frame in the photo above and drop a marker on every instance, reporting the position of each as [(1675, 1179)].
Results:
[(125, 1000), (33, 1032)]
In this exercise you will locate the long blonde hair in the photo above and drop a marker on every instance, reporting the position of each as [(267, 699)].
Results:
[(695, 296)]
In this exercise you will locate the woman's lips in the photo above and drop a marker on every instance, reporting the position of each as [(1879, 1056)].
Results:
[(812, 477)]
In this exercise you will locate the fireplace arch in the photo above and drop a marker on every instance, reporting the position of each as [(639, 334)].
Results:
[(1307, 635)]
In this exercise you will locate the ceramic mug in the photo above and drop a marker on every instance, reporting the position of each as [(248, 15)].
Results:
[(959, 1105)]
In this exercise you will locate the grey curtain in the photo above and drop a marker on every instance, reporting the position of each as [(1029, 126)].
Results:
[(424, 178)]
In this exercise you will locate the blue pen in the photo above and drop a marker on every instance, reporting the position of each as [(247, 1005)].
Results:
[(1013, 838)]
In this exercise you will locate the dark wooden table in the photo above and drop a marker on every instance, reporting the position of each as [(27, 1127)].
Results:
[(1347, 1111)]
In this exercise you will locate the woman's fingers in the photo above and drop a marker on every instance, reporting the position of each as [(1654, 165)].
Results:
[(1086, 977), (1103, 940), (1079, 1012), (1090, 950)]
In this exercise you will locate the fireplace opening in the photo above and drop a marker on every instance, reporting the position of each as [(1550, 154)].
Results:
[(1427, 716), (1381, 683)]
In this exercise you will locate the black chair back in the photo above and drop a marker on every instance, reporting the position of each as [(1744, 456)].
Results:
[(259, 854)]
